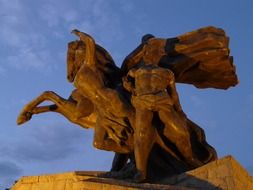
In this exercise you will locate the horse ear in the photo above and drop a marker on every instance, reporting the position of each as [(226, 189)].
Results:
[(73, 45)]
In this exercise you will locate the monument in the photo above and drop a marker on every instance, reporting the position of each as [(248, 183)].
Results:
[(135, 110)]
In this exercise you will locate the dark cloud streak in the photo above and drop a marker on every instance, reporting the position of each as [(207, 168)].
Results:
[(9, 172), (46, 143), (9, 169)]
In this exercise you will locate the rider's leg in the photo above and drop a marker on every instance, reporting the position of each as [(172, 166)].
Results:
[(144, 138)]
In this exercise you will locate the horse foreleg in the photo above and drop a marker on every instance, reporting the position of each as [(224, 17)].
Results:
[(60, 102), (43, 109), (84, 122)]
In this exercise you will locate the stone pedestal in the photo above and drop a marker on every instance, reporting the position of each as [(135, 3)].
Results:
[(82, 181), (225, 173)]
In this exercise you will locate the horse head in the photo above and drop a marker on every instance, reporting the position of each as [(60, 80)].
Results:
[(79, 53)]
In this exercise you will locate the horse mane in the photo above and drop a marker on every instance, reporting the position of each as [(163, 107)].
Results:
[(108, 67)]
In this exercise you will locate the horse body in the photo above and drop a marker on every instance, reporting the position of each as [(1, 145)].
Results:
[(114, 116)]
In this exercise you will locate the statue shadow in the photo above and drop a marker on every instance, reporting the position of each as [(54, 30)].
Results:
[(182, 181), (164, 169)]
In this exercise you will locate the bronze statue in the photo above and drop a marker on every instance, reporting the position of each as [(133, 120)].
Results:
[(135, 110)]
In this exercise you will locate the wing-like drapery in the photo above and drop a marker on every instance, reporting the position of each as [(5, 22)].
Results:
[(200, 57)]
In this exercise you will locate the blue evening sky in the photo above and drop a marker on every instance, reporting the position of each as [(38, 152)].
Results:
[(33, 41)]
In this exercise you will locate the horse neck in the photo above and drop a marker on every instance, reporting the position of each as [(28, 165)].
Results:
[(95, 68)]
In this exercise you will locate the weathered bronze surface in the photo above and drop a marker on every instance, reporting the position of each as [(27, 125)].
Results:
[(135, 110)]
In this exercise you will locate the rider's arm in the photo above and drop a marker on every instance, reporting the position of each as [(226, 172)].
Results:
[(128, 81), (90, 46)]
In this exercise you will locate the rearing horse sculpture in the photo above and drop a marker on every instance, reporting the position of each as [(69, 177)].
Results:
[(88, 67)]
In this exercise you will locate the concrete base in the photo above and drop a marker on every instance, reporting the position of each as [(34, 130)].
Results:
[(82, 181), (225, 173)]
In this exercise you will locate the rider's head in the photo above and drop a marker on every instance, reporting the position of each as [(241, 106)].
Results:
[(146, 37)]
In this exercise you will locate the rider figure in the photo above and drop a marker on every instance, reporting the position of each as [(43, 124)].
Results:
[(153, 90)]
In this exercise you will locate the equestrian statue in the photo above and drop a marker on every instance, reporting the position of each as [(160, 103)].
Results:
[(135, 110)]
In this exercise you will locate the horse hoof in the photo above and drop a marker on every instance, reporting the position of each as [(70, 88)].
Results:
[(24, 117)]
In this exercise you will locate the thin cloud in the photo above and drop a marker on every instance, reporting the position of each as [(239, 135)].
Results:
[(25, 40), (31, 59), (25, 49), (12, 22), (99, 20), (28, 59), (57, 14)]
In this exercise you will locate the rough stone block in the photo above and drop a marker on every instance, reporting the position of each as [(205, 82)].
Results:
[(83, 181), (223, 174)]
